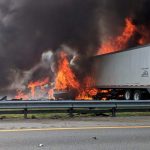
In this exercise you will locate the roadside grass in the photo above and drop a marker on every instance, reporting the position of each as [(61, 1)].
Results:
[(36, 116), (128, 114), (64, 116), (47, 116)]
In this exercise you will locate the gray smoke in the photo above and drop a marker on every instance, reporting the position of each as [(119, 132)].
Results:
[(28, 28)]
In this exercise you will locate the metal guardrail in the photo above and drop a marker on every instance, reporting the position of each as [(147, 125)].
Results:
[(113, 106)]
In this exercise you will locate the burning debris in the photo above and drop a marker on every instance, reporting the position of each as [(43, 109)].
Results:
[(65, 81), (86, 90)]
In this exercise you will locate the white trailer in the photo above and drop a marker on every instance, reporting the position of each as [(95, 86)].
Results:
[(126, 71)]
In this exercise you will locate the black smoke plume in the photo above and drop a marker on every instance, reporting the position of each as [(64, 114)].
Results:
[(30, 27)]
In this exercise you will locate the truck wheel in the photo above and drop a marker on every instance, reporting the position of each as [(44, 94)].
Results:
[(137, 95), (128, 95)]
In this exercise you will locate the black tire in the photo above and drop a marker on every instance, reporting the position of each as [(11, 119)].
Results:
[(128, 95), (137, 95)]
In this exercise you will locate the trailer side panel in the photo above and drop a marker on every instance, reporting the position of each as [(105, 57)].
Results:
[(124, 69)]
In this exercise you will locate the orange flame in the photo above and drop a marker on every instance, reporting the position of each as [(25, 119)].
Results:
[(87, 92), (51, 94), (33, 85), (65, 78), (43, 90), (120, 42), (21, 95)]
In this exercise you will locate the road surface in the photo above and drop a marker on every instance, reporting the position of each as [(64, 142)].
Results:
[(126, 133), (85, 138)]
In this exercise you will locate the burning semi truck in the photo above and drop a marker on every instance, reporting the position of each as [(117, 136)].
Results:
[(114, 73), (123, 74), (117, 75)]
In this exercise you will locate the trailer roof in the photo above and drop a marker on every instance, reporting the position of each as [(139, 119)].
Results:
[(123, 50)]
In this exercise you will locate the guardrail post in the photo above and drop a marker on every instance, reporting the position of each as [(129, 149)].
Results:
[(71, 112), (25, 113), (113, 112)]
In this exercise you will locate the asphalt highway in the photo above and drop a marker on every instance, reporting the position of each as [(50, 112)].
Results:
[(84, 138)]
